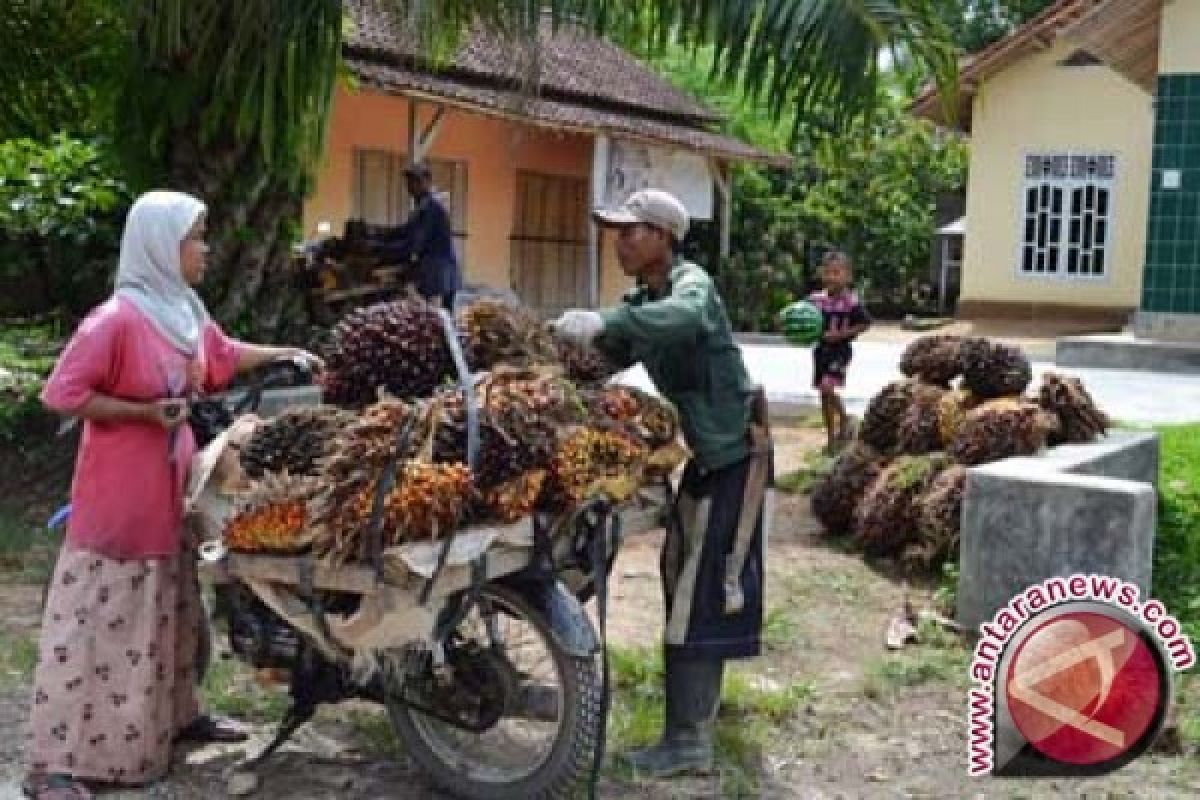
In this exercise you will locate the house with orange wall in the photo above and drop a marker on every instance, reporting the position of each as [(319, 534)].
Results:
[(521, 151)]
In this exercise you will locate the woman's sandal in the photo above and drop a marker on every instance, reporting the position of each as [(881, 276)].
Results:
[(206, 729), (55, 787)]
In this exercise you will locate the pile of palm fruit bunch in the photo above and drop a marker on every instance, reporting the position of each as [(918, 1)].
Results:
[(548, 438), (897, 491)]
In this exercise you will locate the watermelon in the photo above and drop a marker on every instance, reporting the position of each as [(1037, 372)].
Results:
[(802, 323)]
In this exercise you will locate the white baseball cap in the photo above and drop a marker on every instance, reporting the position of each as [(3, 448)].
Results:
[(651, 207)]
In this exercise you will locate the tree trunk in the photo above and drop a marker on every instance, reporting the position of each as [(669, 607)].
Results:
[(252, 214)]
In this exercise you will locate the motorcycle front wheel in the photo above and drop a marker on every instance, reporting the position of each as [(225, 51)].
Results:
[(542, 707)]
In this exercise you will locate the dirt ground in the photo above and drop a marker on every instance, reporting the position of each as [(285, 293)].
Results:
[(859, 736)]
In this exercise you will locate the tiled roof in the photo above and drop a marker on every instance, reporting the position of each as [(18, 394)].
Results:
[(584, 83)]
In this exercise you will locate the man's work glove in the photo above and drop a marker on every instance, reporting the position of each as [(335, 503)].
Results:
[(579, 326)]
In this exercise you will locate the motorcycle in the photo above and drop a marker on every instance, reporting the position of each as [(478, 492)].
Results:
[(490, 669)]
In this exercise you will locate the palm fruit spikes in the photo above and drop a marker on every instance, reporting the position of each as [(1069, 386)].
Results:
[(1079, 419), (951, 411), (994, 369), (590, 461), (399, 347), (1001, 429), (919, 432), (428, 501), (936, 359), (881, 421), (496, 333), (940, 520), (294, 441), (272, 517), (837, 493), (887, 517), (584, 364)]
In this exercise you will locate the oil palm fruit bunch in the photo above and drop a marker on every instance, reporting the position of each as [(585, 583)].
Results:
[(295, 441), (919, 432), (1001, 429), (951, 411), (888, 515), (532, 408), (495, 333), (881, 421), (837, 494), (398, 346), (272, 517), (993, 369), (590, 461), (616, 403), (657, 422), (1079, 419), (515, 499), (940, 519), (501, 457), (584, 364), (936, 359), (427, 502), (358, 455)]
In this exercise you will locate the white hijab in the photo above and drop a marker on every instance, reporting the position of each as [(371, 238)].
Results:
[(149, 273)]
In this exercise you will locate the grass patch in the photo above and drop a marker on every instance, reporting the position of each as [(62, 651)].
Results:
[(780, 630), (374, 735), (752, 714), (1177, 549), (816, 465), (18, 657), (27, 551), (230, 688), (940, 657)]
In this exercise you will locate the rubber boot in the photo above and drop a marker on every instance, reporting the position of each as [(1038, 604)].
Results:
[(693, 690)]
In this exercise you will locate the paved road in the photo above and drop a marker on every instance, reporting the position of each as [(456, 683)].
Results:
[(1127, 396)]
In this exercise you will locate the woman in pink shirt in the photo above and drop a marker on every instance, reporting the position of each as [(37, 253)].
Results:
[(115, 680)]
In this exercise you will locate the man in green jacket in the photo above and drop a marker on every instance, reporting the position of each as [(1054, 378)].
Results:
[(674, 323)]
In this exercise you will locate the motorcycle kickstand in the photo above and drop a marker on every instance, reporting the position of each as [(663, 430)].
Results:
[(296, 716)]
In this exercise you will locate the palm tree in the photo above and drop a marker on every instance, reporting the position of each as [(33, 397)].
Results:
[(231, 99)]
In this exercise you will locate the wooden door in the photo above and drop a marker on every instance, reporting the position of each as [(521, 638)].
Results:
[(549, 242)]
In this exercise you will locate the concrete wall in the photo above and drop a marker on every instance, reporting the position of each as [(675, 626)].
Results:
[(1081, 509), (494, 151), (1038, 106), (1178, 37)]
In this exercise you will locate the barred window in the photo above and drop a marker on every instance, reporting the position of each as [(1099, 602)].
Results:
[(1067, 214)]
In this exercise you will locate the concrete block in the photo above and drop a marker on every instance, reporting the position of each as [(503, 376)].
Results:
[(1028, 519), (1166, 326), (1126, 352)]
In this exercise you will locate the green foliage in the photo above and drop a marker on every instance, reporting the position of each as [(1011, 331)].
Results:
[(27, 354), (869, 188), (1177, 550), (57, 66), (974, 24), (61, 212), (212, 76)]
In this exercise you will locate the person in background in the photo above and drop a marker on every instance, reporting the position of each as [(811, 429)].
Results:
[(426, 241), (845, 319), (115, 680), (674, 323)]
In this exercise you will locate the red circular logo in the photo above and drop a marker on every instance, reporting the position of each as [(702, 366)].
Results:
[(1084, 688)]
